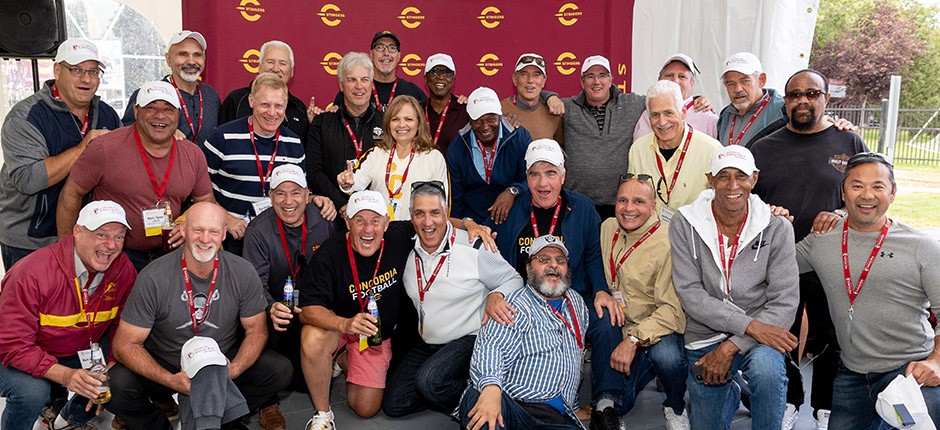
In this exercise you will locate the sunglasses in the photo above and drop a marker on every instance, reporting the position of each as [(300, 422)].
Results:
[(529, 60), (642, 177), (865, 157), (811, 95), (447, 73), (437, 185)]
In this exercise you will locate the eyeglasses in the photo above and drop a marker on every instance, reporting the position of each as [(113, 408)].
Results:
[(78, 72), (544, 259), (447, 73), (811, 95), (866, 157), (530, 60), (642, 177), (382, 48), (437, 185), (597, 77)]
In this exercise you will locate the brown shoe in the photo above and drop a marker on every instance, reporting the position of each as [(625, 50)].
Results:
[(169, 408), (271, 418), (118, 423)]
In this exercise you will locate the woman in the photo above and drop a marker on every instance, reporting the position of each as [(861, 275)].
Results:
[(404, 155)]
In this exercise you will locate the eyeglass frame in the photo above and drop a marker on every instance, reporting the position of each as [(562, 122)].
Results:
[(78, 72), (380, 47), (795, 96)]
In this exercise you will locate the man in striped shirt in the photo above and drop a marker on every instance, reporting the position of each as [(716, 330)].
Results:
[(526, 374)]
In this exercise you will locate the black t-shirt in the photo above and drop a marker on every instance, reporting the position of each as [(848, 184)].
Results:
[(543, 217), (667, 153), (803, 172), (384, 89), (329, 280)]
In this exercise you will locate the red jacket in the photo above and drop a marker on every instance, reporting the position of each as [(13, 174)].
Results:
[(40, 308)]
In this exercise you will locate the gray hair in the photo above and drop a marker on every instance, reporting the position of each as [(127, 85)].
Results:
[(279, 44), (429, 191), (351, 60), (668, 89)]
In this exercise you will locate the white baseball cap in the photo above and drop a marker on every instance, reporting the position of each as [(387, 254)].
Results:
[(544, 150), (684, 59), (595, 60), (366, 200), (100, 212), (530, 60), (199, 352), (743, 62), (735, 156), (182, 35), (75, 50), (288, 173), (157, 90), (483, 101), (544, 241), (440, 59)]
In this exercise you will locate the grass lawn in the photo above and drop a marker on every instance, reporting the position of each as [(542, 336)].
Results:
[(918, 210)]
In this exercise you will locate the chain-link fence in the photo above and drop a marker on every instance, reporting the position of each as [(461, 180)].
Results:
[(918, 131)]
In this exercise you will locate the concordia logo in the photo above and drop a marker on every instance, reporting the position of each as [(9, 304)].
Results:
[(568, 14), (489, 64), (331, 62), (250, 60), (412, 65), (411, 17), (251, 10), (490, 16), (567, 63), (331, 15)]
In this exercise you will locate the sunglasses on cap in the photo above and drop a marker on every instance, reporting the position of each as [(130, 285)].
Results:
[(811, 95), (864, 157), (530, 60), (437, 185)]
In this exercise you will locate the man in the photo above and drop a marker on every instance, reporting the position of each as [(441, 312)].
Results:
[(278, 243), (802, 167), (682, 70), (636, 246), (486, 161), (571, 218), (199, 102), (464, 277), (529, 79), (754, 111), (142, 167), (276, 57), (335, 138), (878, 296), (443, 110), (734, 323), (42, 137), (157, 322), (677, 153), (385, 53), (526, 374), (57, 301)]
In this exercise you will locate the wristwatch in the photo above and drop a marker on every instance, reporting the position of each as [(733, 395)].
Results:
[(463, 222), (513, 190), (840, 213)]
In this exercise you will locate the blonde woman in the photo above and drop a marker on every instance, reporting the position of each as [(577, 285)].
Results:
[(404, 155)]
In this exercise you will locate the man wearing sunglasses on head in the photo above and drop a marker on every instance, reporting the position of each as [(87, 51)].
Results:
[(385, 53), (802, 167), (526, 104)]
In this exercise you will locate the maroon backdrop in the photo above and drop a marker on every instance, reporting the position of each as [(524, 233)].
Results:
[(484, 37)]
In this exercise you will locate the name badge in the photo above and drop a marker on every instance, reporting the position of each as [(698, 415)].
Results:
[(153, 221), (261, 205), (665, 214), (619, 296), (363, 342), (84, 356)]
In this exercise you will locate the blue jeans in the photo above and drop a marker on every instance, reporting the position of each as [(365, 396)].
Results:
[(429, 376), (26, 396), (854, 396), (606, 383), (664, 360), (514, 415), (765, 373), (12, 254)]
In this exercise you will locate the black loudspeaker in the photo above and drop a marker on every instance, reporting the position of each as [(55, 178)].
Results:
[(31, 28)]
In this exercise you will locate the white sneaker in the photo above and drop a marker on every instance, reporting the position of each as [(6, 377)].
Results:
[(675, 422), (822, 419), (789, 417), (321, 421)]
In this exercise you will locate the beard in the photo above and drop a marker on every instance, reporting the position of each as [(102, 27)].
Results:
[(190, 75), (202, 256), (548, 289), (801, 124)]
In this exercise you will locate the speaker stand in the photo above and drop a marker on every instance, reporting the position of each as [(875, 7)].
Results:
[(35, 64)]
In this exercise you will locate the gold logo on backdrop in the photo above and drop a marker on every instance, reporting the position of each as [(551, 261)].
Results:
[(251, 10), (491, 16), (489, 64), (411, 17), (331, 62), (412, 64), (567, 63), (250, 60), (331, 15), (568, 14)]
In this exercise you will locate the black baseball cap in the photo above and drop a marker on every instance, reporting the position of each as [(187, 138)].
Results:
[(385, 33)]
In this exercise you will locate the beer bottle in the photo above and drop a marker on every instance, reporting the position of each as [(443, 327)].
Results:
[(288, 298), (373, 308), (99, 369), (167, 227)]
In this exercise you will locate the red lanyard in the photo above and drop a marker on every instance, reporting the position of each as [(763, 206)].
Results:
[(488, 162), (83, 303), (375, 93), (189, 119), (689, 104), (576, 330), (614, 268), (853, 292), (404, 176), (551, 229), (422, 289), (440, 122), (356, 143), (159, 189), (261, 174), (84, 129), (675, 174), (189, 292), (355, 271), (303, 243), (734, 118), (726, 265)]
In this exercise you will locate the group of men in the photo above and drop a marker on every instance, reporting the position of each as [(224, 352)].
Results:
[(674, 270)]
